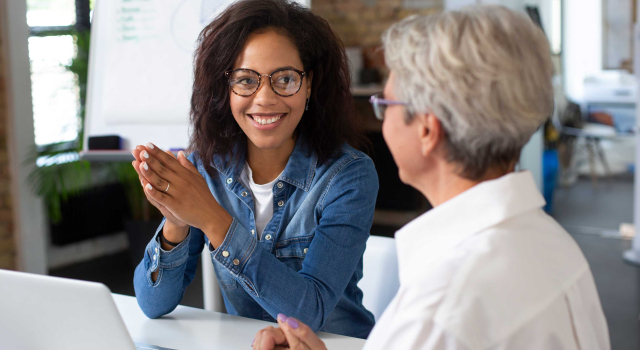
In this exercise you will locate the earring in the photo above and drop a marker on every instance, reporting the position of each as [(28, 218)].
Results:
[(306, 106)]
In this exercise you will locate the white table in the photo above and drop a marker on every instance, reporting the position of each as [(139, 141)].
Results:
[(193, 329)]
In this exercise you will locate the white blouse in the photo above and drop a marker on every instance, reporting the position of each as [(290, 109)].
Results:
[(489, 269)]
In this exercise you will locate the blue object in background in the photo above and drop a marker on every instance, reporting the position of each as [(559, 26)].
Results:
[(550, 175)]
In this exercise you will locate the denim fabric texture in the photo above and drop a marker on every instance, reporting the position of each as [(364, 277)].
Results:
[(308, 261)]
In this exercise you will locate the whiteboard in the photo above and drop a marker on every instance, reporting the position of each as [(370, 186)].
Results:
[(141, 69)]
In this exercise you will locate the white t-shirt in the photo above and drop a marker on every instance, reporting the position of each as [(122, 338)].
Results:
[(262, 198)]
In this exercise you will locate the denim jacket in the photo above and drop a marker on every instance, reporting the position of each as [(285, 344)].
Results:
[(307, 263)]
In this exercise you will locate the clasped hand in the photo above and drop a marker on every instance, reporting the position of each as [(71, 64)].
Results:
[(187, 200), (291, 334)]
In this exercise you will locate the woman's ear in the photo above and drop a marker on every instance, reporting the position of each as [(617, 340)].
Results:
[(429, 133), (309, 79)]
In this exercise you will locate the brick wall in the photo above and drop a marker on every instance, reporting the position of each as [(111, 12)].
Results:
[(7, 242), (362, 22)]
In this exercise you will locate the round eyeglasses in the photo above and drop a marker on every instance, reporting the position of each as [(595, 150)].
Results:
[(284, 82), (380, 105)]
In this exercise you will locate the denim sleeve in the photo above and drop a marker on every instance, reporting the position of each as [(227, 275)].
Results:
[(176, 269), (346, 214)]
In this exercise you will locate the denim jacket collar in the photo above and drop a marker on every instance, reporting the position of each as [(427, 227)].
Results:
[(299, 171)]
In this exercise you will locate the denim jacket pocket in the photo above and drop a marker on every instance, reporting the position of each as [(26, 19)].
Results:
[(225, 278), (293, 251)]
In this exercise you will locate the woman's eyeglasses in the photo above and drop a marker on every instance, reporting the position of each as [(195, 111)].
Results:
[(380, 105), (284, 82)]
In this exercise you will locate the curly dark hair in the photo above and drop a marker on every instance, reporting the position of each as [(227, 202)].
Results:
[(330, 121)]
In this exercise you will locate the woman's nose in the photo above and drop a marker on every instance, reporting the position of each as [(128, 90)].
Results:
[(265, 96)]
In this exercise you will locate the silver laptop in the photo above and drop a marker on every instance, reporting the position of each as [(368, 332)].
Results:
[(44, 312)]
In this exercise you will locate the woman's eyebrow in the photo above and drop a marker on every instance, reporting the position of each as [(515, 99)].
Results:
[(277, 69)]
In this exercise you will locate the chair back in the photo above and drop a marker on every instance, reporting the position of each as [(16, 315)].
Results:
[(380, 281)]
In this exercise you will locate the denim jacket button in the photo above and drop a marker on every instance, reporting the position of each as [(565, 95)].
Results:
[(244, 194), (253, 232), (154, 257), (156, 250), (229, 180), (267, 237), (225, 253), (280, 203), (306, 250), (280, 185), (236, 262)]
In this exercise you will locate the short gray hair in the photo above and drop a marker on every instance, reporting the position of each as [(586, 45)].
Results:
[(484, 72)]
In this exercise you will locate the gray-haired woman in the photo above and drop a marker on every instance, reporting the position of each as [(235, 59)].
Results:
[(486, 268)]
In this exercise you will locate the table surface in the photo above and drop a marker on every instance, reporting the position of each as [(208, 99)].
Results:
[(193, 329)]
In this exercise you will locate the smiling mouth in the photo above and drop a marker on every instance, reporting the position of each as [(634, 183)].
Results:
[(266, 119)]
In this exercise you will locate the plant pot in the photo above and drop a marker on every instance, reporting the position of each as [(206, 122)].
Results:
[(94, 212), (140, 233)]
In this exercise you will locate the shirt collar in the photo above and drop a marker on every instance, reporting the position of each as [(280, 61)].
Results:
[(487, 204), (299, 171)]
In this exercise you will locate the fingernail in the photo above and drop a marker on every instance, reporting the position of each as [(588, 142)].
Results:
[(142, 182), (282, 318), (253, 341), (145, 166), (145, 154), (149, 187), (182, 154), (133, 154), (292, 323), (150, 145)]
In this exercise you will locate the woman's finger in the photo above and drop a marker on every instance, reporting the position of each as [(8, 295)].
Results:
[(271, 337), (150, 199), (156, 181), (159, 196), (294, 342), (168, 161), (136, 154), (136, 167), (182, 158), (299, 332), (157, 166), (257, 340)]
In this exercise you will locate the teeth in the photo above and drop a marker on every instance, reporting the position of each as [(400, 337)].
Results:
[(267, 121)]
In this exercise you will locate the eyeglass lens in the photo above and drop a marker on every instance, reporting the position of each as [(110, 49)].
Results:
[(379, 109), (246, 82)]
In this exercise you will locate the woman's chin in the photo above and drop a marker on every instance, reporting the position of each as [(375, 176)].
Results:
[(267, 143)]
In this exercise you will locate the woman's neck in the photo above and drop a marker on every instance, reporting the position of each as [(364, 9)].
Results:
[(445, 184), (267, 164)]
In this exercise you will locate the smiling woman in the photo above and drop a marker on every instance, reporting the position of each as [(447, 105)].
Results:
[(273, 187)]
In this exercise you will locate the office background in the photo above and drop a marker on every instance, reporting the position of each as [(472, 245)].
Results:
[(74, 224)]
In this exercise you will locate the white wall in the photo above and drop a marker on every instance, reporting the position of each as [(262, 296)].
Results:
[(28, 213), (544, 7), (582, 44)]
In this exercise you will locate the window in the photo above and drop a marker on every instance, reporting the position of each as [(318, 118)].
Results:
[(55, 89)]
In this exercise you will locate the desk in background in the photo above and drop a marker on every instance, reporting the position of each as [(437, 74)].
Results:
[(194, 329)]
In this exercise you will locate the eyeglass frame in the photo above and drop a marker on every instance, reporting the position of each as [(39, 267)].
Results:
[(302, 74), (376, 101)]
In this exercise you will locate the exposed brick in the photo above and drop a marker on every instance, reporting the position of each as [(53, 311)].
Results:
[(7, 245), (7, 261), (4, 230), (4, 187), (362, 22), (5, 215)]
